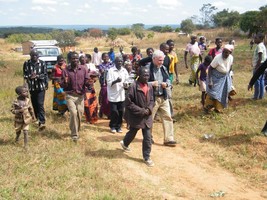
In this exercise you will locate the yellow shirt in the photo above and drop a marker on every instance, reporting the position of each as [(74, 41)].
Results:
[(172, 64)]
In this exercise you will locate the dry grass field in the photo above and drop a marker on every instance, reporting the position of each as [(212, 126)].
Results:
[(233, 161)]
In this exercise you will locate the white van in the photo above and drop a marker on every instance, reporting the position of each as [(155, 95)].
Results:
[(47, 50), (48, 54)]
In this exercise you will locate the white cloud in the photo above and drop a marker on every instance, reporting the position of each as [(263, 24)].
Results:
[(87, 5), (143, 10), (51, 9), (169, 4), (37, 8), (8, 1), (218, 4), (3, 12), (23, 14), (115, 1), (114, 8), (126, 13), (65, 3), (80, 10), (50, 2)]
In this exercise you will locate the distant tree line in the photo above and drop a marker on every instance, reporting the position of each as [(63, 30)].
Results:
[(7, 31), (250, 21), (64, 38)]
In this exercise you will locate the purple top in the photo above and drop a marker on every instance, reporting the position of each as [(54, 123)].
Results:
[(103, 68), (77, 80), (203, 71)]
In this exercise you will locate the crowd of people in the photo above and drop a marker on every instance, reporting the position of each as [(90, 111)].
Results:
[(133, 88)]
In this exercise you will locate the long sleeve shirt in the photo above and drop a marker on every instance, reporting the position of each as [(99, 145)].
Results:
[(39, 83), (77, 80)]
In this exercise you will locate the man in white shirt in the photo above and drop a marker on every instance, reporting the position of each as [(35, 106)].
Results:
[(116, 77), (259, 56), (96, 57)]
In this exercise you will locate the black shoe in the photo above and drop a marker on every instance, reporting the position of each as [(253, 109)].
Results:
[(100, 114), (170, 143), (190, 82), (75, 138), (41, 127), (264, 129)]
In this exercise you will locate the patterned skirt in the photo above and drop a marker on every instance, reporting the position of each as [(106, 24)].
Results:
[(59, 100), (91, 106)]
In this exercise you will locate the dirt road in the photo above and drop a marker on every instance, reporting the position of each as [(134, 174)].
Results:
[(181, 173)]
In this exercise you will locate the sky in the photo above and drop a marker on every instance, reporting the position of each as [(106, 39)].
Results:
[(111, 12)]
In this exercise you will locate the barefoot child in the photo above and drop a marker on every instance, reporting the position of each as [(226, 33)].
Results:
[(203, 69), (23, 112)]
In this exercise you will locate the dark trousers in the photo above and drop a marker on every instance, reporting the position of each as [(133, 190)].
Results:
[(37, 98), (146, 145), (116, 114)]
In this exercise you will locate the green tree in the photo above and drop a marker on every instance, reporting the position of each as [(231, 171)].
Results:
[(124, 31), (207, 11), (138, 26), (248, 22), (262, 19), (177, 30), (64, 38), (187, 26), (156, 28), (150, 35), (166, 29), (112, 34), (226, 19), (18, 38), (138, 30)]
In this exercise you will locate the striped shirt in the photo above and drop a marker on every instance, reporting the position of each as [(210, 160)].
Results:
[(39, 83)]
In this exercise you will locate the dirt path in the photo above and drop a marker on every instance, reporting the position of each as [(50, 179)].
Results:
[(181, 173)]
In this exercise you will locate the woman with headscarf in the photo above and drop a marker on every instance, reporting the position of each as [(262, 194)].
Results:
[(219, 80), (195, 58)]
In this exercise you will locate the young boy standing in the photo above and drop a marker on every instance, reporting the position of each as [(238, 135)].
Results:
[(23, 112), (203, 69)]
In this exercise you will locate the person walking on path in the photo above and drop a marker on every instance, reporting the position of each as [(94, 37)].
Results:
[(195, 58), (201, 74), (74, 81), (103, 96), (175, 59), (159, 79), (96, 57), (90, 99), (116, 77), (35, 75), (216, 50), (219, 80), (23, 112), (59, 100), (260, 71), (139, 104), (259, 56)]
